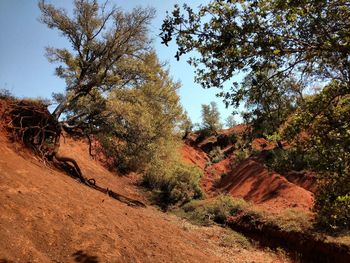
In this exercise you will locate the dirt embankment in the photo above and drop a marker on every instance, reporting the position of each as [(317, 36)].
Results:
[(254, 182), (47, 216), (270, 192), (249, 179)]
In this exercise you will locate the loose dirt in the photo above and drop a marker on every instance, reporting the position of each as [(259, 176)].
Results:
[(47, 216)]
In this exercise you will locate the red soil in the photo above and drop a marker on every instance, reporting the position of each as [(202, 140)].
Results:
[(213, 175), (194, 155), (46, 216), (250, 179), (254, 182)]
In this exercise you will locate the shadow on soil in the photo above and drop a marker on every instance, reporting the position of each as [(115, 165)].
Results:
[(82, 257), (2, 260)]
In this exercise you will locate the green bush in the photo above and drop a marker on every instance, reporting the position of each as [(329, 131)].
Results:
[(216, 155), (332, 203), (291, 219), (233, 239), (217, 210), (241, 154), (174, 184), (284, 160), (233, 138)]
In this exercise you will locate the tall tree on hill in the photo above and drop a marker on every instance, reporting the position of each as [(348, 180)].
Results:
[(211, 117), (106, 54), (230, 121), (109, 51)]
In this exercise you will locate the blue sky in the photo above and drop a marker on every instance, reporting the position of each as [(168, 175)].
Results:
[(25, 71)]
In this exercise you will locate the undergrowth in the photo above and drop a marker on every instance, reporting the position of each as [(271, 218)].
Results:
[(173, 184), (224, 208)]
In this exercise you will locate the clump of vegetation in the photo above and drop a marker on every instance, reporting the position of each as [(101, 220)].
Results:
[(325, 120), (173, 184), (143, 120), (292, 220), (333, 203), (210, 118), (220, 210), (216, 155), (233, 239), (291, 159), (212, 211), (233, 138), (241, 154)]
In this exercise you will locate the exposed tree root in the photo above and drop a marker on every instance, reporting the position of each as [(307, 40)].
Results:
[(33, 125)]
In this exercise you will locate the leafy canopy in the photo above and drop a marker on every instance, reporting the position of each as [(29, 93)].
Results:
[(211, 117), (107, 48), (143, 121), (309, 39)]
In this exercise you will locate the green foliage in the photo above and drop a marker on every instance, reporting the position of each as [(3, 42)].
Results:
[(220, 209), (291, 220), (333, 202), (268, 102), (325, 120), (142, 122), (217, 210), (241, 153), (291, 159), (256, 36), (216, 155), (210, 117), (186, 125), (233, 138), (173, 183), (108, 47), (230, 121), (232, 239)]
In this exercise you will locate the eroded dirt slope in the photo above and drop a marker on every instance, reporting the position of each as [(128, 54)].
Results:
[(46, 216), (250, 178), (254, 182)]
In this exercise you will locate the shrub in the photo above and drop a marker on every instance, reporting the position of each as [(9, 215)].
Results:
[(202, 134), (292, 220), (216, 155), (241, 154), (333, 203), (325, 119), (217, 210), (174, 184), (233, 238), (284, 160), (233, 138)]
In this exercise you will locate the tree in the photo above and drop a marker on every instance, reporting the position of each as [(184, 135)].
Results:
[(269, 103), (308, 39), (107, 49), (142, 122), (211, 117), (186, 125), (325, 120), (230, 121)]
